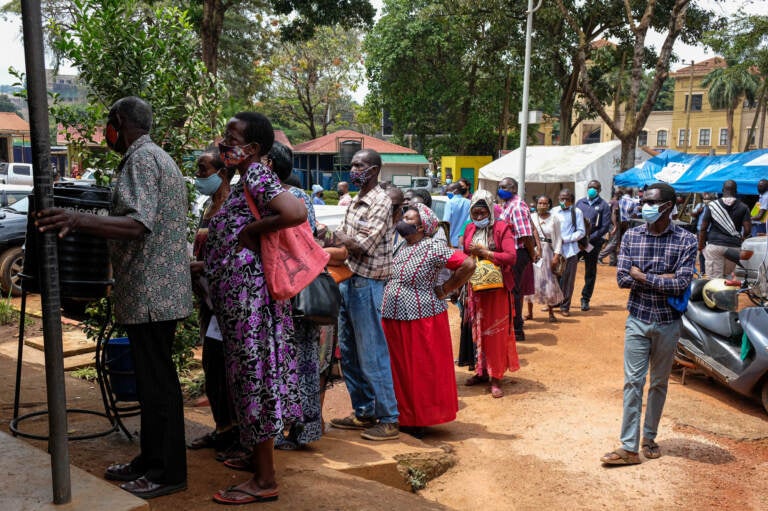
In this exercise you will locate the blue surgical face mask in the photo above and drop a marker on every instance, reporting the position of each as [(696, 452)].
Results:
[(208, 185), (592, 193), (449, 195), (563, 205), (651, 213), (482, 224), (504, 194)]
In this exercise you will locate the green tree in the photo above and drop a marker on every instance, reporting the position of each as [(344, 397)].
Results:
[(745, 41), (674, 19), (6, 105), (312, 80), (122, 48), (727, 86)]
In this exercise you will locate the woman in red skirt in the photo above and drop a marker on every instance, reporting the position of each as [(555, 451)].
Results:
[(492, 310), (415, 321)]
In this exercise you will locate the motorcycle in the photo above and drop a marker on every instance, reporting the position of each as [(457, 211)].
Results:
[(727, 345)]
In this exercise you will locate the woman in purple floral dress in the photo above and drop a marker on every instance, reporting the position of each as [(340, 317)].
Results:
[(260, 360)]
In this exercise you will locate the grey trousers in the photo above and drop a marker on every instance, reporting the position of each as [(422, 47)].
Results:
[(646, 344)]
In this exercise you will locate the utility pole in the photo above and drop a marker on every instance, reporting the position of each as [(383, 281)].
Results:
[(688, 113), (526, 87)]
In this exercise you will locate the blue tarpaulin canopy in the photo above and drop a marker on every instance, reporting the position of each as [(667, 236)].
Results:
[(695, 173)]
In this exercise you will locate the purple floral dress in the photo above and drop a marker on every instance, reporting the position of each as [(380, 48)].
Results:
[(260, 359)]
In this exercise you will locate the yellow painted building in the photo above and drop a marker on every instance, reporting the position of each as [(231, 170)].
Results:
[(456, 167), (708, 127)]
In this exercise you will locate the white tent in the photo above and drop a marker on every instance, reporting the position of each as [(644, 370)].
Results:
[(556, 167)]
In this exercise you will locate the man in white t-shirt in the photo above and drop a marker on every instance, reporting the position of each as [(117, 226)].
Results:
[(760, 217)]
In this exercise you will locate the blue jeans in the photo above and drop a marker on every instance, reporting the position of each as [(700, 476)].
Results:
[(364, 351), (646, 343)]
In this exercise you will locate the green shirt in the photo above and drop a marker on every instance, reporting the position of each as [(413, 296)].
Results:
[(152, 279)]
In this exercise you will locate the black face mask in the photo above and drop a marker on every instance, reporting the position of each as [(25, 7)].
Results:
[(405, 229)]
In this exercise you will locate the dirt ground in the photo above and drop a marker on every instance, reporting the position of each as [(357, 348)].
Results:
[(536, 448)]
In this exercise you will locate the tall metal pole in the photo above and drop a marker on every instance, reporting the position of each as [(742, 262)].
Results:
[(526, 87), (689, 106), (37, 99)]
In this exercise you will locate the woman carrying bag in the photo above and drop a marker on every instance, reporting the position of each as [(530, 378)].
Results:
[(547, 270), (491, 309)]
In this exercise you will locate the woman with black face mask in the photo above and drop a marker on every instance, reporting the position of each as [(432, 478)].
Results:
[(415, 319)]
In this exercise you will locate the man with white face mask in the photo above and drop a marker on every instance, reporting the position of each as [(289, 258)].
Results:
[(656, 262)]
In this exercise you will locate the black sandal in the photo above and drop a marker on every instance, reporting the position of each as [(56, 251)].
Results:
[(475, 379)]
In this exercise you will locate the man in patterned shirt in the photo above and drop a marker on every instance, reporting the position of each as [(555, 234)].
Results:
[(146, 233), (656, 262), (518, 215), (366, 232)]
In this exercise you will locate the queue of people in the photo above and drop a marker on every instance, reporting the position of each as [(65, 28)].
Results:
[(396, 264)]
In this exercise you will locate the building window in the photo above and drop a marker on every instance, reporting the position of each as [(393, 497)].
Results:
[(661, 138), (696, 101), (705, 136), (682, 138), (723, 136), (642, 138)]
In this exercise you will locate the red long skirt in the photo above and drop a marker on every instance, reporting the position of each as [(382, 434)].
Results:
[(421, 356)]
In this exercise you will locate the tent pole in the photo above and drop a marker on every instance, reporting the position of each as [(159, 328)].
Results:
[(37, 99)]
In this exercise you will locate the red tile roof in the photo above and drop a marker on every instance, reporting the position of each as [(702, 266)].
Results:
[(281, 137), (700, 68), (329, 144), (61, 137), (11, 122)]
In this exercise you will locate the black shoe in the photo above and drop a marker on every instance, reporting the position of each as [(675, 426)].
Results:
[(146, 489), (584, 305), (519, 336), (122, 472)]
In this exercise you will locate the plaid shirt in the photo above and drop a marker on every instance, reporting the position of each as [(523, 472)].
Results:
[(627, 207), (518, 215), (672, 251), (369, 222)]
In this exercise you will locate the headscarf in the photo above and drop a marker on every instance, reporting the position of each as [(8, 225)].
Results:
[(484, 236), (428, 218)]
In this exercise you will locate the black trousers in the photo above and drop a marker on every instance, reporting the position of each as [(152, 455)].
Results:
[(163, 454), (216, 387), (590, 270), (523, 260)]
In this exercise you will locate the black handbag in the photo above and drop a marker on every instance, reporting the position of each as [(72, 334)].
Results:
[(319, 302)]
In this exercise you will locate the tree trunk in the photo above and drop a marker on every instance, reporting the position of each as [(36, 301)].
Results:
[(504, 124), (210, 33), (566, 108), (628, 145), (760, 105), (729, 123)]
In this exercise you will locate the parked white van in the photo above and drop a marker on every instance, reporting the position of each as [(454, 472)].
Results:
[(16, 173)]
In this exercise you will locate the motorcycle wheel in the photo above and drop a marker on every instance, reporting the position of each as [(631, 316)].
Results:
[(764, 395)]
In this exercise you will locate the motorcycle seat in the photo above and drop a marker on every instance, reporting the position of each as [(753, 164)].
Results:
[(723, 323), (697, 288)]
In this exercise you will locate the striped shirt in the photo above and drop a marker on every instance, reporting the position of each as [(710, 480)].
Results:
[(672, 251), (369, 222), (518, 215)]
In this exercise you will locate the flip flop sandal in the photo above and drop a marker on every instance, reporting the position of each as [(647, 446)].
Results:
[(552, 319), (242, 464), (475, 379), (651, 449), (250, 497), (620, 457), (496, 391)]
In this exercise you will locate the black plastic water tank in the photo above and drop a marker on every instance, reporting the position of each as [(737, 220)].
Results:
[(84, 267)]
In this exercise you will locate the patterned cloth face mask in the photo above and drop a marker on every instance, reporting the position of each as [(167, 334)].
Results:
[(234, 155)]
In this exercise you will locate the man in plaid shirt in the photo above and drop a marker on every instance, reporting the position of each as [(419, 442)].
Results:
[(518, 215), (367, 233), (656, 262)]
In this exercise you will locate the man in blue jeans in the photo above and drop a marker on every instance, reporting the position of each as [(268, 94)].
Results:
[(656, 261), (366, 232)]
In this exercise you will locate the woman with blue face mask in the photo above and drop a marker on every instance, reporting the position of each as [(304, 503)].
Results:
[(212, 179), (491, 311)]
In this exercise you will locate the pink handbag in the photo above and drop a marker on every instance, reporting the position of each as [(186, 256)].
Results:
[(291, 257)]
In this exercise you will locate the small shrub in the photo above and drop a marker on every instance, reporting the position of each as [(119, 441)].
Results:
[(85, 373), (7, 313)]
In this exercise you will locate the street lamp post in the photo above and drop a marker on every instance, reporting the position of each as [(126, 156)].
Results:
[(526, 87)]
